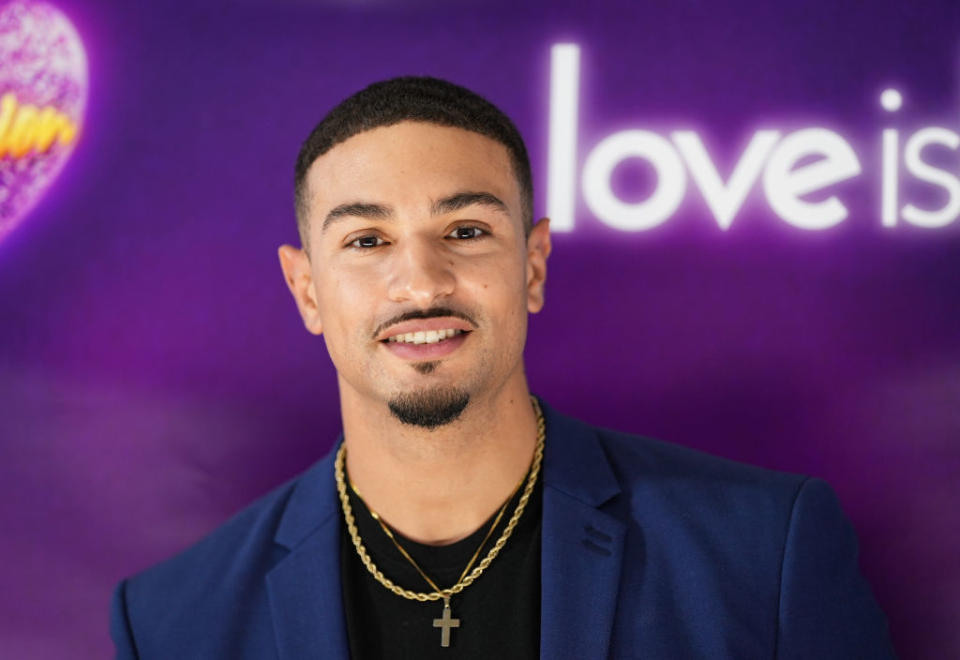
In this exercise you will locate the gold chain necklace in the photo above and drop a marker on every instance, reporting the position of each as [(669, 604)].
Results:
[(446, 622)]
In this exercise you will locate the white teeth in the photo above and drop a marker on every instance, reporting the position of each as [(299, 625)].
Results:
[(425, 336)]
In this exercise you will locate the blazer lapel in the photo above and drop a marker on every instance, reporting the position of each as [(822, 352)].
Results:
[(582, 546), (304, 587)]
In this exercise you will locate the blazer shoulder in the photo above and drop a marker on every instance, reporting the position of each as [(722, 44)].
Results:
[(641, 457), (213, 598), (724, 499), (770, 550), (642, 476), (238, 550)]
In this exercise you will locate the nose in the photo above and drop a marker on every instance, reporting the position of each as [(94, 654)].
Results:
[(420, 274)]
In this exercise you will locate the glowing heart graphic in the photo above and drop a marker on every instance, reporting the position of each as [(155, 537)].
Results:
[(43, 93)]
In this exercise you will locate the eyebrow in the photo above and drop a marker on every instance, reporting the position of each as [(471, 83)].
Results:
[(449, 204), (357, 209), (462, 200)]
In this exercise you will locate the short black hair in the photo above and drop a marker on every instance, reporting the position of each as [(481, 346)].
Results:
[(412, 98)]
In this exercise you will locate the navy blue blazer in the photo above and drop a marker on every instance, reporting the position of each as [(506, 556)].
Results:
[(649, 550)]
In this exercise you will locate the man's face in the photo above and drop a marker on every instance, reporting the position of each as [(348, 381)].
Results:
[(419, 275)]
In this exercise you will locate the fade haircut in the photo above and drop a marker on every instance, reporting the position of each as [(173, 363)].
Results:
[(412, 98)]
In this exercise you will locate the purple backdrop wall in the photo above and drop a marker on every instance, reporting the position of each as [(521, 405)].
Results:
[(154, 375)]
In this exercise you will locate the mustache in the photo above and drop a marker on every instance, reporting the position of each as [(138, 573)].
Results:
[(418, 314)]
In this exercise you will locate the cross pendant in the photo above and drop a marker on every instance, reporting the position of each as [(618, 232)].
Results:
[(446, 623)]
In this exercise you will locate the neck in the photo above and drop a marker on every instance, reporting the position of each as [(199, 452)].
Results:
[(439, 486)]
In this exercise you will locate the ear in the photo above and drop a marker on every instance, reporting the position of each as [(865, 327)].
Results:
[(538, 249), (299, 277)]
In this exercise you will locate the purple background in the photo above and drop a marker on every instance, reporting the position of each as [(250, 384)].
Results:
[(155, 376)]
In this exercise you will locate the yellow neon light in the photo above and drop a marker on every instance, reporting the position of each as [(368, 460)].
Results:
[(25, 128)]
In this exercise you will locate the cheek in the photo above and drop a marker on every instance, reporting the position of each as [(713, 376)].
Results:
[(494, 273), (341, 301), (342, 287), (501, 293)]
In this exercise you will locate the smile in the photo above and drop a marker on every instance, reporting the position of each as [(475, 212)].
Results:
[(425, 344), (425, 337)]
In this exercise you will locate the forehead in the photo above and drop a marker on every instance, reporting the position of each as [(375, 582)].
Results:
[(410, 164)]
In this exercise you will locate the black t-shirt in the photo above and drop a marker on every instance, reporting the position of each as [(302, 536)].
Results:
[(499, 613)]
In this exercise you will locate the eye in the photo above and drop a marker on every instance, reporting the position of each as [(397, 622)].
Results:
[(466, 233), (366, 242)]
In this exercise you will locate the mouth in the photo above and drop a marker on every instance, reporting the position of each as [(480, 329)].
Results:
[(425, 336), (425, 344)]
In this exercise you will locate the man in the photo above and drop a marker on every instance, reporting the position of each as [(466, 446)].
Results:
[(459, 517)]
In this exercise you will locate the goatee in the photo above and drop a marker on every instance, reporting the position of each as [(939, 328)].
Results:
[(429, 408)]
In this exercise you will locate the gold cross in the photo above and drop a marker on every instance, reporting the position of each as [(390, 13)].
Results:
[(446, 623)]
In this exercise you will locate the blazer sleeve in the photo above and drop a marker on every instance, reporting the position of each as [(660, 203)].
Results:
[(826, 607), (120, 629)]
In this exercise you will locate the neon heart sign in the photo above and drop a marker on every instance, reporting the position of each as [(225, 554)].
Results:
[(43, 94)]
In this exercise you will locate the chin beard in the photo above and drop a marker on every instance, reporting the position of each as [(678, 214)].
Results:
[(429, 408)]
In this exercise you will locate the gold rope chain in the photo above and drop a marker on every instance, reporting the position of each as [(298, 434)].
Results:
[(465, 581), (476, 553)]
